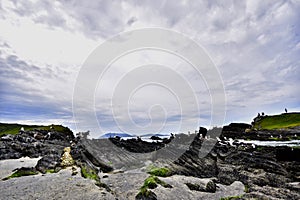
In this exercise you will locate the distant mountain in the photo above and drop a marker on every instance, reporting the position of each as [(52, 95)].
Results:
[(110, 135), (156, 134)]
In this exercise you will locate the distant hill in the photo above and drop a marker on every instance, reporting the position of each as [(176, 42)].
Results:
[(155, 134), (285, 120), (13, 129), (110, 135)]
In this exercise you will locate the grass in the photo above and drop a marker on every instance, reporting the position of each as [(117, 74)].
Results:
[(162, 172), (15, 128), (20, 173), (282, 121)]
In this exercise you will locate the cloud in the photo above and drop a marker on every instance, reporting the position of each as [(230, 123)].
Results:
[(254, 44)]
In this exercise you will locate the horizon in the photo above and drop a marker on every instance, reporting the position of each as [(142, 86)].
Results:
[(254, 46)]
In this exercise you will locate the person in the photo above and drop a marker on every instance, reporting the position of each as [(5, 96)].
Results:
[(285, 110)]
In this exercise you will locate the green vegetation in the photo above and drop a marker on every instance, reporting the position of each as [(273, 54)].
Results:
[(247, 188), (51, 171), (260, 148), (89, 173), (162, 172), (20, 173), (286, 120), (150, 183), (274, 139), (15, 128), (231, 198)]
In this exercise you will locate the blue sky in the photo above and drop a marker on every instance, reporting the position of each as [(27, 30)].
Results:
[(254, 44)]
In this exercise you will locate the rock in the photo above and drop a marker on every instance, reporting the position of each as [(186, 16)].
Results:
[(181, 190), (48, 162), (33, 144), (155, 138), (210, 186), (7, 138), (148, 195), (267, 192)]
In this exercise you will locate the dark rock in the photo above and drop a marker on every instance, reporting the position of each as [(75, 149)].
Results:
[(48, 162), (209, 187), (155, 138), (140, 146), (33, 144), (149, 195)]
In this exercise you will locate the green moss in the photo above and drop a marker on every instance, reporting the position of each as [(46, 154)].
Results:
[(150, 183), (144, 192), (20, 173), (89, 173), (247, 188), (162, 172), (286, 120), (50, 171), (275, 139), (259, 148)]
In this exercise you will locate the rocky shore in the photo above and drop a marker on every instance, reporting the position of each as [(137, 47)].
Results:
[(133, 169)]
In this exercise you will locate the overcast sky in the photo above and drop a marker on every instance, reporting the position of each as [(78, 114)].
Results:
[(255, 45)]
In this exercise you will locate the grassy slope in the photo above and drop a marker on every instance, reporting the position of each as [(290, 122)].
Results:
[(15, 128), (286, 120)]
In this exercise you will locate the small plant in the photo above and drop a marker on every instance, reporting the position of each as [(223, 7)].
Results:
[(162, 172), (50, 171), (247, 189), (22, 172), (145, 193), (260, 148), (150, 183), (89, 173)]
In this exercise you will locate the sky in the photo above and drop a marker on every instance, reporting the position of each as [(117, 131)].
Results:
[(254, 45)]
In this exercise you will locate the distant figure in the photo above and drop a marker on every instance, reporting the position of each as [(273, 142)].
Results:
[(263, 114), (285, 110), (172, 136)]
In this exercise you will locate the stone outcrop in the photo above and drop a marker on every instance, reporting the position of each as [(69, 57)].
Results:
[(252, 172)]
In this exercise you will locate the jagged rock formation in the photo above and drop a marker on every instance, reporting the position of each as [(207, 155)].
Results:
[(261, 172), (244, 131)]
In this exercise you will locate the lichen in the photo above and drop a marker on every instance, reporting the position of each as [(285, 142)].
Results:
[(162, 172), (66, 159)]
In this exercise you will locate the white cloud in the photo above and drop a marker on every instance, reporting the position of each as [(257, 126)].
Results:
[(255, 45)]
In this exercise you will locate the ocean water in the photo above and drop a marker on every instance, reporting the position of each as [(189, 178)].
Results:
[(272, 143)]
